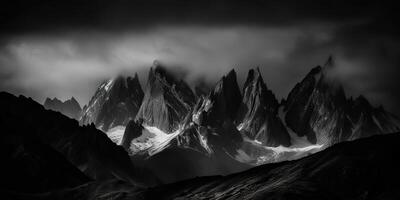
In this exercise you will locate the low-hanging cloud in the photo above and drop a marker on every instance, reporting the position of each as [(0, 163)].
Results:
[(74, 63), (65, 65)]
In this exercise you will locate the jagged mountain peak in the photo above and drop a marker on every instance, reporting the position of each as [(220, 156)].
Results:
[(330, 62), (255, 86), (162, 79), (257, 117), (362, 100), (314, 71), (228, 85), (225, 99), (72, 99), (321, 72), (166, 101), (318, 108), (161, 73), (228, 80), (70, 107), (115, 102), (231, 74), (54, 99), (254, 76)]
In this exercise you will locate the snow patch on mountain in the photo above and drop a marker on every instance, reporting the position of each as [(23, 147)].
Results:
[(254, 153), (152, 141), (296, 140), (106, 85), (116, 134)]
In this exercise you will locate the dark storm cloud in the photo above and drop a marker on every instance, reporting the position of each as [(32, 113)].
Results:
[(45, 15), (64, 48)]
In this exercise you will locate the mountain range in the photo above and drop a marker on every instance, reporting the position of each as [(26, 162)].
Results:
[(245, 144), (226, 128), (70, 107), (245, 123)]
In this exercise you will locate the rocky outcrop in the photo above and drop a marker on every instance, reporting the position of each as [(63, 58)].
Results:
[(115, 103), (166, 101), (209, 127), (318, 109), (133, 130), (222, 102), (258, 115)]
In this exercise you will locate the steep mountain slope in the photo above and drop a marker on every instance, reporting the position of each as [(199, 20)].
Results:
[(87, 148), (209, 127), (221, 104), (133, 130), (29, 166), (115, 103), (203, 148), (166, 101), (368, 120), (70, 107), (318, 109), (168, 155), (258, 115)]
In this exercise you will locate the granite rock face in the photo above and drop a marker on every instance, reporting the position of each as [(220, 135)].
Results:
[(166, 101), (258, 115), (115, 103), (133, 130), (318, 109)]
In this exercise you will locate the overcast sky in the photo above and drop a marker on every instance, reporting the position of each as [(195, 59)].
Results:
[(66, 48)]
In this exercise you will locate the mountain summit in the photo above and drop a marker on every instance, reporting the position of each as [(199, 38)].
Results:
[(70, 107), (166, 100), (317, 108), (114, 103), (258, 115)]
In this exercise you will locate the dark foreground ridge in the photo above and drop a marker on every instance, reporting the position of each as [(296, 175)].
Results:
[(44, 149), (361, 169)]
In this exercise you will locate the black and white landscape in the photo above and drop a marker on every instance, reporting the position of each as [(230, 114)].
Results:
[(199, 100)]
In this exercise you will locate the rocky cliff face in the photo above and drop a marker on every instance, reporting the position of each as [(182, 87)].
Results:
[(318, 109), (133, 130), (210, 125), (70, 107), (221, 104), (166, 101), (258, 115), (115, 103)]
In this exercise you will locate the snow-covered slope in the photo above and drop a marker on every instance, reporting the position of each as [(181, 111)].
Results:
[(116, 134), (255, 153), (151, 141)]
